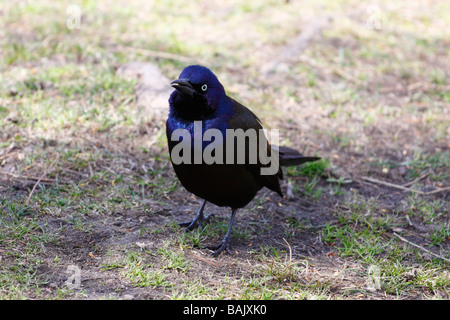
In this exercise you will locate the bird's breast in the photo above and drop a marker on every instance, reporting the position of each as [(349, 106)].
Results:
[(221, 184), (218, 182)]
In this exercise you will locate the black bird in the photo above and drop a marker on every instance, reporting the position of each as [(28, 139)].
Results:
[(199, 99)]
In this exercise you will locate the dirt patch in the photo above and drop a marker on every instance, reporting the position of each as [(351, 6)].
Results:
[(372, 103)]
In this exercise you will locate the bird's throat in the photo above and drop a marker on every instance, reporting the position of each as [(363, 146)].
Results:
[(190, 108)]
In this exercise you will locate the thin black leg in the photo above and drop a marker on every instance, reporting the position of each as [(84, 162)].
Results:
[(225, 243), (198, 219)]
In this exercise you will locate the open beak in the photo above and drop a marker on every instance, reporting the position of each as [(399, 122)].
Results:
[(184, 86)]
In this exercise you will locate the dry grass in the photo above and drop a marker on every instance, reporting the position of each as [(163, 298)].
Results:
[(85, 179)]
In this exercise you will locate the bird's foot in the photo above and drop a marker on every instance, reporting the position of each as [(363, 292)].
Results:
[(196, 222), (224, 245), (189, 225)]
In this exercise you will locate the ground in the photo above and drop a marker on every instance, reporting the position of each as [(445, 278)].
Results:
[(87, 191)]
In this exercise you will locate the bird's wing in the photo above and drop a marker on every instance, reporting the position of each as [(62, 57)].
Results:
[(245, 119)]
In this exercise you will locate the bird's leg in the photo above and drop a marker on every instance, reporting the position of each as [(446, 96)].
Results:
[(199, 218), (225, 244)]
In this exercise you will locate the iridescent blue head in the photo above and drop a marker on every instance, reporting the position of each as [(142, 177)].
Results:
[(198, 94)]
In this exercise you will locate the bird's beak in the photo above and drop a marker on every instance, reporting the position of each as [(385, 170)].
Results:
[(184, 86)]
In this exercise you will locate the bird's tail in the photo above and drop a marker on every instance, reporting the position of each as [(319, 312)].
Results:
[(290, 157)]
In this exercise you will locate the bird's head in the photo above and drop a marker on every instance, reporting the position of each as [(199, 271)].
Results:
[(198, 93)]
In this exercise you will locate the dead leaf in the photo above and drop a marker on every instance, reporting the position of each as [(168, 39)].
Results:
[(211, 262)]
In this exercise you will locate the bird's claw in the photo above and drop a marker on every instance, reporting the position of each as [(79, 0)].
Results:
[(190, 225), (224, 245)]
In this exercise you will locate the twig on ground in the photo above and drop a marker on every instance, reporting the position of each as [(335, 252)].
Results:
[(404, 188), (421, 248), (438, 190), (409, 221), (391, 185), (75, 172), (91, 171), (16, 176), (209, 261), (373, 185), (40, 178), (416, 180)]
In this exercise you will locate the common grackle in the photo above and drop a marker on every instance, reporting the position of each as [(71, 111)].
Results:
[(199, 103)]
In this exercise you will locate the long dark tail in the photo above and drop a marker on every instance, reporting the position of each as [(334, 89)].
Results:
[(290, 157)]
